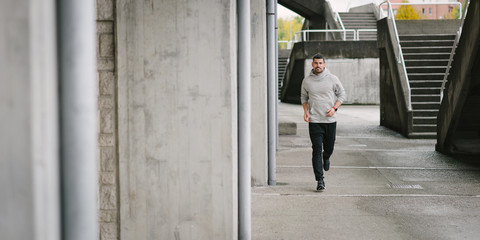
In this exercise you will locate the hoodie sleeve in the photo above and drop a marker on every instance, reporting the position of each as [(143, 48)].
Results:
[(304, 93), (340, 91)]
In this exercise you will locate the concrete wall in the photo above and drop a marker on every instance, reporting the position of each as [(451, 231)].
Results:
[(108, 207), (427, 26), (259, 93), (394, 109), (458, 129), (359, 77), (177, 115), (29, 179)]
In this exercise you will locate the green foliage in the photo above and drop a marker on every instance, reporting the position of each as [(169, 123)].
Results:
[(288, 27), (454, 14), (407, 12)]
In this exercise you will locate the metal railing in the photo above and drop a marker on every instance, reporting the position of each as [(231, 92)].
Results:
[(355, 35), (365, 30), (400, 59), (452, 53), (339, 20)]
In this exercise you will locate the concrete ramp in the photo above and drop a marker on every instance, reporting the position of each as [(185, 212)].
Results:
[(308, 9), (458, 129)]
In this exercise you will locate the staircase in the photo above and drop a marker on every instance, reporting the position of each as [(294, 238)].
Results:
[(360, 20), (426, 59), (283, 56)]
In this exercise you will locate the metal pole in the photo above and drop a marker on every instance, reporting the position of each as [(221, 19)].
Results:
[(244, 118), (78, 118), (271, 88), (276, 78)]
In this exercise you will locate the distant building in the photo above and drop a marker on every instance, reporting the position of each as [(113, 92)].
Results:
[(428, 9)]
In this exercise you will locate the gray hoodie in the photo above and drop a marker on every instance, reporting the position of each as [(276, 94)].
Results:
[(321, 92)]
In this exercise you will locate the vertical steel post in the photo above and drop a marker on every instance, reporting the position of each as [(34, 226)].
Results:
[(244, 120), (271, 88), (78, 118)]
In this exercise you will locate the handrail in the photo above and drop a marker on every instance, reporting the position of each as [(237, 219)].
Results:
[(452, 53), (304, 36), (400, 53), (341, 24), (430, 3), (356, 32), (365, 30)]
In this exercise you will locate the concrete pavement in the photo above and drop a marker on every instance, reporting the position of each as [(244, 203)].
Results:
[(380, 186)]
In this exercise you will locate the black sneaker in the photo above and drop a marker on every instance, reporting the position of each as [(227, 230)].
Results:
[(326, 164), (320, 185)]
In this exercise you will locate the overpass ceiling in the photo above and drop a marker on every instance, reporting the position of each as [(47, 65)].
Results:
[(306, 8)]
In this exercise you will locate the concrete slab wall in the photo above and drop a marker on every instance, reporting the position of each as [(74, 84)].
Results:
[(355, 61), (449, 26), (177, 119), (359, 77), (458, 129), (29, 171), (259, 93)]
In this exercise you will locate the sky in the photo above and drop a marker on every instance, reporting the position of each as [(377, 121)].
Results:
[(337, 5)]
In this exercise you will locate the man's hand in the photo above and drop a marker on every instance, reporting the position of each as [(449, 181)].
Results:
[(306, 116), (330, 112)]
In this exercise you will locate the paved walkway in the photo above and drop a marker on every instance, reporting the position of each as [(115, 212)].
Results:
[(380, 186)]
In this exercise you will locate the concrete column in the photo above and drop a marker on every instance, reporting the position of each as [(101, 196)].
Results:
[(259, 93), (177, 119), (29, 185)]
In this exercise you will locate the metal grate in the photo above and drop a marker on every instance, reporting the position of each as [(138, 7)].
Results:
[(406, 186)]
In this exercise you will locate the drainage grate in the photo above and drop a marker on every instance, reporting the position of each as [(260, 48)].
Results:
[(406, 186)]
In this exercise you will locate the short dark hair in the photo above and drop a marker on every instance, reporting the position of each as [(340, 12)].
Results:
[(318, 56)]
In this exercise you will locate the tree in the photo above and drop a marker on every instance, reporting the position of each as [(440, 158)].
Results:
[(288, 27), (455, 13), (407, 12)]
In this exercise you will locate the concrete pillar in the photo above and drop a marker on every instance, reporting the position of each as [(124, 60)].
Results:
[(29, 185), (177, 118), (259, 93)]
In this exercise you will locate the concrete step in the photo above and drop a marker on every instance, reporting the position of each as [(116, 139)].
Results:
[(358, 21), (426, 62), (425, 112), (426, 105), (426, 76), (424, 120), (435, 49), (408, 56), (356, 14), (417, 128), (423, 135), (426, 43), (423, 36), (418, 91), (360, 26), (426, 98), (426, 69), (425, 84)]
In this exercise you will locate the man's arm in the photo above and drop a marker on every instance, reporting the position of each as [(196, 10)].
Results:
[(306, 115)]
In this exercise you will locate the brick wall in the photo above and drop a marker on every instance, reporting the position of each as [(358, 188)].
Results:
[(108, 158)]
